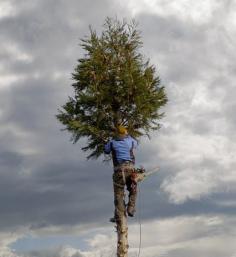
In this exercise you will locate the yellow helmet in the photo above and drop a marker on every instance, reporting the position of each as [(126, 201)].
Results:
[(122, 130)]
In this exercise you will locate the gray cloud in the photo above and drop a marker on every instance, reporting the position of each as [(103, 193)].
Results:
[(196, 61), (179, 236), (46, 170), (33, 102), (45, 180)]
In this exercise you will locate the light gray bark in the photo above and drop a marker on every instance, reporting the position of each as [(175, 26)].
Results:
[(122, 235)]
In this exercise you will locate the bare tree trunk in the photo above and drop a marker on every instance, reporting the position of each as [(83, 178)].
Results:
[(122, 235), (120, 216)]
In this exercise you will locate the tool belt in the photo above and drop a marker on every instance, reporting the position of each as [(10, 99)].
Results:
[(127, 165)]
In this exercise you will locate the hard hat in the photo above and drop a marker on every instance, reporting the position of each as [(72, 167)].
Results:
[(122, 130)]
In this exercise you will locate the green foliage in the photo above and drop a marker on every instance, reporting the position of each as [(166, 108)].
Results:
[(113, 84)]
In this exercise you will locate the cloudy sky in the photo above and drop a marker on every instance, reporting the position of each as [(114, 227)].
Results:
[(55, 203)]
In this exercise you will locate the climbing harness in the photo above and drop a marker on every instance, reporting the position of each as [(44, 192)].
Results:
[(123, 175)]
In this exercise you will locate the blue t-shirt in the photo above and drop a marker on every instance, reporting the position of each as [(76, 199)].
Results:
[(122, 148)]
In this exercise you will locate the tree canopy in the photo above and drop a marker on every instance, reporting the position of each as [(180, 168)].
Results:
[(113, 85)]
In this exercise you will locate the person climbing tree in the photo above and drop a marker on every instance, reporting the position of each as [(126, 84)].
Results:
[(113, 85), (122, 149)]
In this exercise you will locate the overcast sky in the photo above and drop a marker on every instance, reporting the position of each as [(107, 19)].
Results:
[(55, 203)]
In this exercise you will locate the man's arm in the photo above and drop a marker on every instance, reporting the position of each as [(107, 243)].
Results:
[(107, 148), (134, 142)]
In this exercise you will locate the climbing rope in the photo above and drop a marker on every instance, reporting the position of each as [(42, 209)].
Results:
[(152, 171), (139, 221)]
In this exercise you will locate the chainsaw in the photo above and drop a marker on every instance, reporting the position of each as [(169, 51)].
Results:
[(140, 174)]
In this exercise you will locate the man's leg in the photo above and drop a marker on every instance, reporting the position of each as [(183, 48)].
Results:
[(132, 188), (119, 195)]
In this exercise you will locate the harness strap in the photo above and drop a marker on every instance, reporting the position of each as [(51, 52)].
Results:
[(119, 185), (125, 166), (123, 175), (132, 153)]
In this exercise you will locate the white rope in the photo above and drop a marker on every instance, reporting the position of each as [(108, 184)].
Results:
[(139, 221), (123, 175)]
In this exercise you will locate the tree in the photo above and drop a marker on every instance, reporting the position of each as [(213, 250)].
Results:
[(113, 84)]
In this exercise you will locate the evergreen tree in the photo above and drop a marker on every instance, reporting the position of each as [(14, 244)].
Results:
[(113, 84)]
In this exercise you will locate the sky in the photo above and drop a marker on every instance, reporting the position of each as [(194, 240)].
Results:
[(55, 203)]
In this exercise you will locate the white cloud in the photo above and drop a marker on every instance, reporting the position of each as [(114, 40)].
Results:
[(6, 9), (190, 153), (190, 184), (196, 11), (7, 80), (174, 237), (196, 143), (7, 238), (100, 240), (12, 52), (23, 138), (204, 101), (197, 140)]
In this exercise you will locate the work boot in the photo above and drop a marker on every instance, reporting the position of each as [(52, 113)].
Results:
[(130, 210), (113, 220)]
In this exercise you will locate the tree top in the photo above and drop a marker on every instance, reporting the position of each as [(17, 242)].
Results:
[(113, 85)]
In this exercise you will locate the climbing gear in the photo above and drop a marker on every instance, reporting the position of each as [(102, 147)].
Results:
[(145, 174), (134, 178), (130, 210), (137, 175), (140, 170), (113, 220), (142, 174), (123, 175), (139, 221), (133, 185), (127, 165)]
